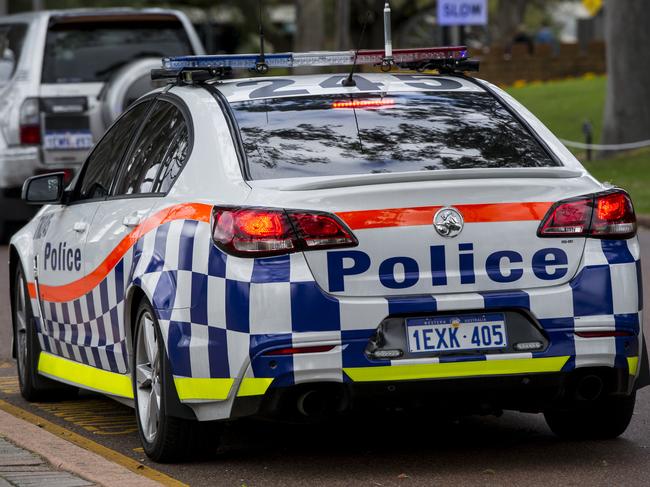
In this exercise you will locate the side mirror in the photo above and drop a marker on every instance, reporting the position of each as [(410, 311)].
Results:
[(45, 189)]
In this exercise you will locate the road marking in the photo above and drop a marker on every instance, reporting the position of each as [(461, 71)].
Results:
[(85, 443), (99, 416), (9, 385)]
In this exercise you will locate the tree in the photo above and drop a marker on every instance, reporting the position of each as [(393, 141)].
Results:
[(310, 26), (627, 111)]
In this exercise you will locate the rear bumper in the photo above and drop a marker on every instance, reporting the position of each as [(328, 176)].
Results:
[(456, 396)]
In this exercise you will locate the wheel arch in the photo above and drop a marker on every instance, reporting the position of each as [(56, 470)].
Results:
[(173, 405), (14, 260)]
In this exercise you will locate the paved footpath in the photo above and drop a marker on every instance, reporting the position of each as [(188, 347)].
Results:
[(22, 468)]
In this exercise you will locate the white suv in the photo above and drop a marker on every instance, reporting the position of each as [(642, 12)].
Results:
[(64, 77)]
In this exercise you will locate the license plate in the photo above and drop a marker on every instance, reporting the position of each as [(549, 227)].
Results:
[(454, 333), (68, 140)]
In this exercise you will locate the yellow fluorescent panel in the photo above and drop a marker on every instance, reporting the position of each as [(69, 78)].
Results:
[(457, 369), (85, 375), (189, 389), (253, 386), (632, 364)]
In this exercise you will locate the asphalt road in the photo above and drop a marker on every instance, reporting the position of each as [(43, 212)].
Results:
[(515, 449)]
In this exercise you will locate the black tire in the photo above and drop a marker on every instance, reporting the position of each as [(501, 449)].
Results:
[(33, 387), (174, 439), (603, 419)]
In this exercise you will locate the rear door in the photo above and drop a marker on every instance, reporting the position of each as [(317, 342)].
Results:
[(82, 55), (156, 157)]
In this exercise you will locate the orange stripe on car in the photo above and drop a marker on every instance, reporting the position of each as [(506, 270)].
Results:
[(423, 215), (78, 288)]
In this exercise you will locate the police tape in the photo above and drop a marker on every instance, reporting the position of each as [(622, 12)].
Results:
[(607, 147)]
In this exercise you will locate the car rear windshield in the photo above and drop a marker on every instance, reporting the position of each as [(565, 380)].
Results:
[(12, 37), (93, 51), (397, 132)]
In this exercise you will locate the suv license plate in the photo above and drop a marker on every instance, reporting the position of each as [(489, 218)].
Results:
[(456, 333), (68, 140)]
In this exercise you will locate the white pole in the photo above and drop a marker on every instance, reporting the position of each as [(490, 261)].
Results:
[(37, 5), (3, 7)]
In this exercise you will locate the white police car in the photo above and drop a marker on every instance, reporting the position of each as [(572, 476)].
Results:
[(294, 243)]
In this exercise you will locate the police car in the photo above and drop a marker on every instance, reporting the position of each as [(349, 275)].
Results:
[(329, 242)]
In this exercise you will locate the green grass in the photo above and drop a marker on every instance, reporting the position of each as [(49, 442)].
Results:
[(630, 172), (563, 106)]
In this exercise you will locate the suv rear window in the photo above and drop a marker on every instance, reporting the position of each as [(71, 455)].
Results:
[(12, 37), (399, 132), (94, 50)]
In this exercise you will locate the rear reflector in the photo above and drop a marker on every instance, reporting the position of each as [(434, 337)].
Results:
[(263, 232), (603, 334), (602, 215), (298, 350)]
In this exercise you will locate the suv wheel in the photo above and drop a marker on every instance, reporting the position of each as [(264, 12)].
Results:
[(602, 419), (164, 438)]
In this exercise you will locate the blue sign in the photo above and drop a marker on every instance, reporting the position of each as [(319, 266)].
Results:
[(462, 12)]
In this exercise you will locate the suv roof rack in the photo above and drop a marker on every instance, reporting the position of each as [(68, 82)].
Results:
[(200, 69)]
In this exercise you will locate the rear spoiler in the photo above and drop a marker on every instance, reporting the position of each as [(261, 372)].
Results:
[(328, 182)]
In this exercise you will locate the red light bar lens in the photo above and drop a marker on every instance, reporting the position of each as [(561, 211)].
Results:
[(379, 102), (298, 350)]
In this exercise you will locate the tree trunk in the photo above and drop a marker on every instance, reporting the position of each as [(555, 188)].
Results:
[(310, 26), (627, 110), (343, 41), (509, 16)]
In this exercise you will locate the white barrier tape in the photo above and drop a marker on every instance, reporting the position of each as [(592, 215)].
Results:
[(631, 145)]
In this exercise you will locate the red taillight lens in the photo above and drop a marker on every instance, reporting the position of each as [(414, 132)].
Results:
[(30, 134), (262, 232), (319, 230), (30, 122), (613, 216), (603, 215)]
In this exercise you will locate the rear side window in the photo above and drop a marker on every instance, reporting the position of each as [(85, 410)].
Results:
[(399, 132), (159, 153), (12, 37), (88, 51), (104, 161)]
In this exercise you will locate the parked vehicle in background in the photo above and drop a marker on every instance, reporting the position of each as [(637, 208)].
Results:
[(65, 76)]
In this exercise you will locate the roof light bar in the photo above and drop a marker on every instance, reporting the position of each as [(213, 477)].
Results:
[(318, 58)]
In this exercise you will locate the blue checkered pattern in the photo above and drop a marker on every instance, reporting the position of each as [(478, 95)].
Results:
[(218, 313)]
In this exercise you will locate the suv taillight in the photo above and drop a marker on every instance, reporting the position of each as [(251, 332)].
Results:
[(602, 215), (30, 122), (263, 232)]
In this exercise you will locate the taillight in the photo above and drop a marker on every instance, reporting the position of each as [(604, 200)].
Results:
[(263, 232), (602, 215), (30, 122)]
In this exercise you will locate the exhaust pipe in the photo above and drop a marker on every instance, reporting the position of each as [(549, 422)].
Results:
[(312, 403), (589, 388)]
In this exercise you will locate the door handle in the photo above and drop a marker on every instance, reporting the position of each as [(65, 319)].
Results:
[(131, 221), (80, 227)]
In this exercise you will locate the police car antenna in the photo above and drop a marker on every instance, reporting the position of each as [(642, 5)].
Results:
[(260, 66), (349, 81)]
